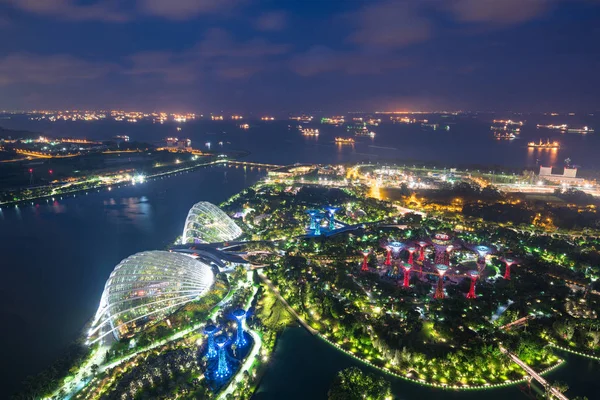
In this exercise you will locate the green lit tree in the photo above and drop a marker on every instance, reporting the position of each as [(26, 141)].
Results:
[(353, 384)]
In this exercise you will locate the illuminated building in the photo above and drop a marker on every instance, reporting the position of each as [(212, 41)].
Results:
[(439, 291), (207, 223), (508, 262), (240, 317), (211, 349), (407, 267), (146, 287), (223, 370), (365, 263), (474, 276)]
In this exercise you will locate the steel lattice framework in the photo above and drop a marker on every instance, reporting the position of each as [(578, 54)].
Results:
[(146, 287), (207, 223)]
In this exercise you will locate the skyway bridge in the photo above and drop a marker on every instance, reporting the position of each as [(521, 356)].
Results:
[(551, 391)]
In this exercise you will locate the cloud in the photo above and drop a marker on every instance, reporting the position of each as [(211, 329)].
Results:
[(271, 21), (184, 9), (105, 10), (40, 69), (217, 54), (322, 59), (389, 24), (501, 12)]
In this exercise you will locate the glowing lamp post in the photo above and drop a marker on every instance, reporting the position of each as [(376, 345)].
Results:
[(388, 256), (365, 263), (474, 276), (508, 262), (422, 244), (439, 291), (407, 267), (240, 317), (209, 331), (222, 367)]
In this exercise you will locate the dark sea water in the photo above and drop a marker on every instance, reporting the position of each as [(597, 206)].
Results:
[(55, 257)]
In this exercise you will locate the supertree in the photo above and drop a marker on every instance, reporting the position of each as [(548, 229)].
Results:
[(442, 245), (312, 214), (439, 291), (365, 263), (211, 350), (388, 256), (422, 244), (396, 248), (411, 252), (331, 216), (223, 370), (318, 218), (508, 262), (407, 267), (482, 252), (240, 316), (474, 276)]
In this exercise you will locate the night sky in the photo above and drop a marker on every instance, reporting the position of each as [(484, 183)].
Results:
[(300, 55)]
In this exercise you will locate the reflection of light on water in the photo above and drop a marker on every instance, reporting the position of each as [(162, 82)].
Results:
[(546, 156)]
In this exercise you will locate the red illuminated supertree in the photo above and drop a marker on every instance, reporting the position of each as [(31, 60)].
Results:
[(422, 244), (407, 267), (388, 257), (482, 252), (474, 276), (411, 252), (442, 245), (365, 263), (439, 291), (508, 262)]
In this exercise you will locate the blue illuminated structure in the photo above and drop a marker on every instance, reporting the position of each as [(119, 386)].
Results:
[(211, 352), (312, 214), (240, 316), (318, 218), (331, 216), (223, 370)]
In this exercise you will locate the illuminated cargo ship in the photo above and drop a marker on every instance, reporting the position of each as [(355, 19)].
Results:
[(542, 145), (341, 140)]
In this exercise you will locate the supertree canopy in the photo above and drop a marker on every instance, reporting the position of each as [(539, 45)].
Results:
[(439, 291), (474, 276), (240, 316), (407, 267), (396, 248), (223, 370), (211, 348), (207, 223), (146, 287), (508, 262), (331, 216), (442, 243)]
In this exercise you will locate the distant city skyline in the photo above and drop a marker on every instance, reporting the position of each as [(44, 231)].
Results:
[(270, 57)]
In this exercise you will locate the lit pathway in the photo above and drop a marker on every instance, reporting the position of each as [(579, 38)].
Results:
[(268, 282), (245, 366), (553, 391)]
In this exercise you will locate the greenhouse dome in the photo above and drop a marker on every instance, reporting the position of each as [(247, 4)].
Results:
[(207, 223), (146, 287)]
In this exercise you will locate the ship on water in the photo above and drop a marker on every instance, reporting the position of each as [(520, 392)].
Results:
[(504, 135), (360, 129), (310, 132), (544, 145), (342, 140)]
